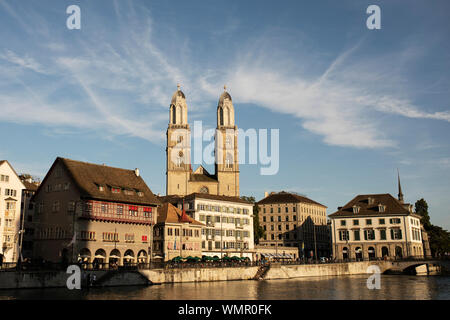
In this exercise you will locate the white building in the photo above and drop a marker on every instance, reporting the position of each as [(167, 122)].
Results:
[(228, 220), (10, 206), (376, 226)]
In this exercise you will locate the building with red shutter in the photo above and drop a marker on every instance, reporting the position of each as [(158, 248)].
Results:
[(93, 213)]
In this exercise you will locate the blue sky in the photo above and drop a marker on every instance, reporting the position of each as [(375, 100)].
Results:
[(352, 104)]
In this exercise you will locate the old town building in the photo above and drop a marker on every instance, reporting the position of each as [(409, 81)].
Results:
[(93, 213), (292, 220), (26, 223), (176, 234), (375, 226), (180, 178), (228, 229), (10, 199)]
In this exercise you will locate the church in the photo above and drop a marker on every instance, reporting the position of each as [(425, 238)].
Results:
[(181, 180)]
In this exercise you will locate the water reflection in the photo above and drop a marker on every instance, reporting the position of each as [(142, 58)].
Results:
[(333, 288)]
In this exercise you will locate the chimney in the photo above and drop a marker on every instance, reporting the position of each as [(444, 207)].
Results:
[(136, 172), (266, 194)]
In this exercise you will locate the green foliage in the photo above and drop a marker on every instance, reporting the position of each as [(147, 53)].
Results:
[(258, 231), (421, 208), (439, 238)]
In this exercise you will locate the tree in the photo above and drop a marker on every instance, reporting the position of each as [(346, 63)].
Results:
[(439, 238), (421, 208), (258, 231)]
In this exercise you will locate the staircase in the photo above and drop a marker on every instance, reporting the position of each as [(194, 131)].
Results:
[(261, 273)]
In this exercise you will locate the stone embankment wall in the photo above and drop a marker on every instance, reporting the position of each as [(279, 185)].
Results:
[(200, 275), (320, 270), (12, 280)]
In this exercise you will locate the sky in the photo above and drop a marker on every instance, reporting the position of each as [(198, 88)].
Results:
[(352, 105)]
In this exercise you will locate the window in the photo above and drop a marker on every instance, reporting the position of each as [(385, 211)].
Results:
[(71, 206), (271, 210), (279, 210), (119, 210), (295, 218), (344, 235), (381, 221), (279, 227), (279, 218), (381, 208), (394, 220), (4, 178), (356, 209), (147, 212), (133, 211), (369, 234), (355, 222), (286, 209), (287, 218), (264, 219), (368, 222), (396, 234), (271, 219), (294, 209), (115, 190), (342, 222), (383, 234), (55, 206), (356, 235)]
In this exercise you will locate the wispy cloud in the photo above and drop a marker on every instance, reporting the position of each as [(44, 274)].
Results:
[(123, 85)]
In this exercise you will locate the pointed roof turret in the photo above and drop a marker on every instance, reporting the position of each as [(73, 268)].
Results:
[(400, 194)]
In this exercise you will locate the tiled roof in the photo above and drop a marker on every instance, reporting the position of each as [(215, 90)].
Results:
[(30, 186), (392, 206), (286, 197), (88, 177), (171, 214)]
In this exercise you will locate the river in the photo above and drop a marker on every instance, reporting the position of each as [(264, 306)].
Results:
[(330, 288)]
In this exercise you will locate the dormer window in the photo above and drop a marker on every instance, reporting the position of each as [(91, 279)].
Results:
[(356, 209), (370, 200), (115, 190), (140, 193), (381, 207), (128, 192)]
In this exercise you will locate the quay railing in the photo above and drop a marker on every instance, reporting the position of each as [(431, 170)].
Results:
[(50, 266)]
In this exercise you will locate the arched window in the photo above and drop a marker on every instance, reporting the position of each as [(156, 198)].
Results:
[(204, 189), (227, 119), (174, 115), (221, 116), (229, 161)]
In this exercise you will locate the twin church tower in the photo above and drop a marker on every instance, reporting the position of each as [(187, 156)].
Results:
[(180, 178)]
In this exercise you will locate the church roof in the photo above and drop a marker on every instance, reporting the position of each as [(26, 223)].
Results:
[(176, 94), (223, 96), (205, 177)]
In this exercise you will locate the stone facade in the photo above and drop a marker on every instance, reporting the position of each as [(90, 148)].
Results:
[(292, 220), (180, 178), (376, 226)]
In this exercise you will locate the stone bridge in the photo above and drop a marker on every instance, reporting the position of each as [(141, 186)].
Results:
[(409, 265)]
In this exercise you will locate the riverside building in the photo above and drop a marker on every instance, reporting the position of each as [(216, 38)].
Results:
[(228, 221), (375, 226), (176, 234), (10, 199), (292, 220), (93, 213)]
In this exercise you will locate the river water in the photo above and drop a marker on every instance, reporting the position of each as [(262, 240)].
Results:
[(332, 288)]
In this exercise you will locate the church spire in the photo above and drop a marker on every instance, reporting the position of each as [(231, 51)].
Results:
[(400, 194)]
